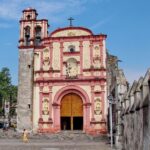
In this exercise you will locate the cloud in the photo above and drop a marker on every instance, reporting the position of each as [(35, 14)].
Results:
[(56, 11), (8, 10), (11, 9)]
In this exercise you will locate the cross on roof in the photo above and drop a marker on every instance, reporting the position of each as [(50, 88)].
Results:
[(70, 19)]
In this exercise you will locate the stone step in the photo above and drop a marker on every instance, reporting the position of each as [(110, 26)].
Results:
[(68, 135), (60, 136)]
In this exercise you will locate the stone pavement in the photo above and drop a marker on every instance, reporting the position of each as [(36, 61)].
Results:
[(10, 144), (60, 141)]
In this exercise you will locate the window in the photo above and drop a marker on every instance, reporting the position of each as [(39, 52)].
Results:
[(28, 17), (38, 31), (37, 35), (27, 36), (71, 48)]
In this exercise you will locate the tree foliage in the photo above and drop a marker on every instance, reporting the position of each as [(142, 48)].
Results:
[(8, 92), (5, 83)]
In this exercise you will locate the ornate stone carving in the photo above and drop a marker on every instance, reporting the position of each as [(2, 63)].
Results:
[(45, 107), (45, 89), (72, 68), (71, 34), (46, 59), (97, 62), (96, 51), (97, 88), (98, 107)]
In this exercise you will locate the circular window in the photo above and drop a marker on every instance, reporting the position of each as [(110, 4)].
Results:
[(71, 48)]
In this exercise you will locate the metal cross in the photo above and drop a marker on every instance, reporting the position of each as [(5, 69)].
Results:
[(70, 19)]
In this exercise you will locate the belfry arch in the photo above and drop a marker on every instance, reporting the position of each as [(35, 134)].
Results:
[(76, 92)]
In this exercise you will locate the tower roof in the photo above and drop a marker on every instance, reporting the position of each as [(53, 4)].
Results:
[(29, 9)]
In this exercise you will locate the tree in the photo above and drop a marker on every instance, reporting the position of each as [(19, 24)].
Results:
[(8, 92), (5, 83), (13, 100)]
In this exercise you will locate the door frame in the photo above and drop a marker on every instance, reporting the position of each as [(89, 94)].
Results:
[(72, 98), (86, 105)]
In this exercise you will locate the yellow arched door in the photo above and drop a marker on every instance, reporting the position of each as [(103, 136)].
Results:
[(71, 112)]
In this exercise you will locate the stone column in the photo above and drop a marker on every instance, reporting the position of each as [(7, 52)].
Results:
[(81, 57), (56, 108)]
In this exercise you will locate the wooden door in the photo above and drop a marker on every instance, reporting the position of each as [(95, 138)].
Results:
[(71, 106), (77, 106), (66, 106)]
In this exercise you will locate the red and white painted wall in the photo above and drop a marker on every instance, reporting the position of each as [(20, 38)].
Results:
[(68, 60)]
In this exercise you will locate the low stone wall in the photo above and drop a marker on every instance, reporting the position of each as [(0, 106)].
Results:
[(136, 115)]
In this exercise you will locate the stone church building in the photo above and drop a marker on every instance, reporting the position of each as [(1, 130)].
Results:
[(62, 78)]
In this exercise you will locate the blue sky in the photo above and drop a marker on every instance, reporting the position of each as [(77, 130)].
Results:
[(126, 23)]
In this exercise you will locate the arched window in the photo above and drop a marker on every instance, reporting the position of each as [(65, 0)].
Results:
[(28, 17), (37, 35), (71, 48), (27, 36)]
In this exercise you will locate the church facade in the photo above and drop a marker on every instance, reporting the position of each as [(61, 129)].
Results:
[(62, 78)]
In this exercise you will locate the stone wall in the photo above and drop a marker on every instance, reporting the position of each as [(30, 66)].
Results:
[(136, 115), (117, 87), (25, 89)]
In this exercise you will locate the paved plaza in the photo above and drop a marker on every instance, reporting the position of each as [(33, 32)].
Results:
[(43, 144), (60, 141)]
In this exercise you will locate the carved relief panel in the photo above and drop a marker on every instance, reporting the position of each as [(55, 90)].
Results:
[(97, 62), (96, 57), (45, 107), (98, 107), (97, 88), (72, 68), (45, 89), (96, 51), (46, 59)]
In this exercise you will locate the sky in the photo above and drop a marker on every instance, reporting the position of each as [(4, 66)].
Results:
[(125, 22)]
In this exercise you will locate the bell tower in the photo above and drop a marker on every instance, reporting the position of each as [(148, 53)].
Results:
[(32, 31)]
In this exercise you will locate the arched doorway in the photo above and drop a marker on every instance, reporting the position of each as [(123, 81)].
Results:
[(71, 112)]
